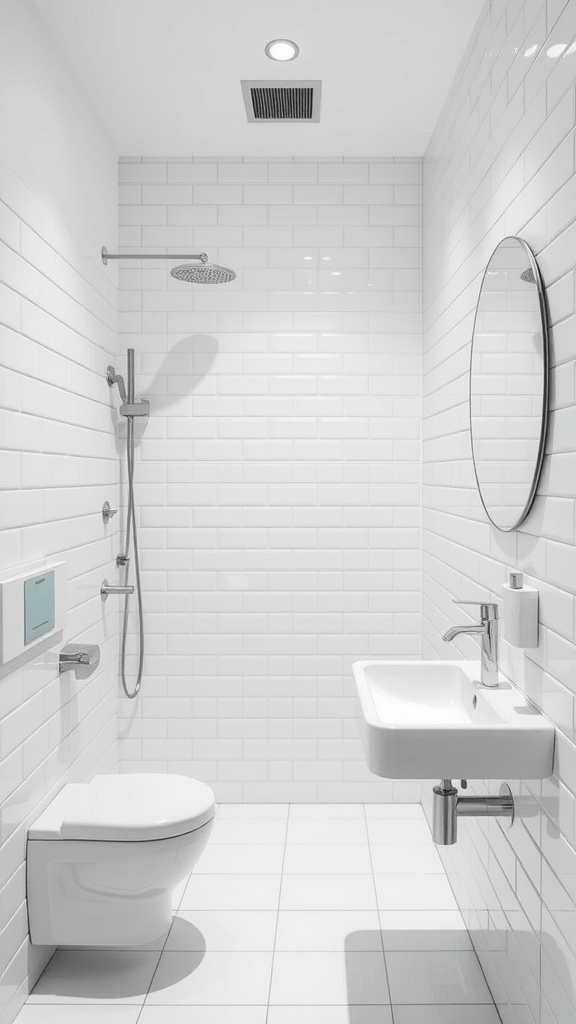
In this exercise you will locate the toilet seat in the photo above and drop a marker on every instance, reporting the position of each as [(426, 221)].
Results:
[(126, 808)]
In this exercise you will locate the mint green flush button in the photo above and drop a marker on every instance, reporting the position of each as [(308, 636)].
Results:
[(38, 606)]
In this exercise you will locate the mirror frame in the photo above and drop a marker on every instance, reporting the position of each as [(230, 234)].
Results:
[(545, 384)]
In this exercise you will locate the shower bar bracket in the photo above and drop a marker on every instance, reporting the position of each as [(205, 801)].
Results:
[(201, 256), (141, 408)]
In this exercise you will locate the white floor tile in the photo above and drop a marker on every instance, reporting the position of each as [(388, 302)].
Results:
[(353, 859), (349, 812), (328, 1015), (259, 812), (249, 831), (232, 979), (414, 892), (231, 892), (223, 931), (446, 1015), (89, 976), (84, 1013), (327, 892), (240, 859), (423, 929), (203, 1015), (379, 811), (434, 977), (326, 831), (403, 832), (328, 966), (335, 979), (421, 859), (328, 930)]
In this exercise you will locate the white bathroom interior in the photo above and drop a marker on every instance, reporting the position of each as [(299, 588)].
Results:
[(288, 516)]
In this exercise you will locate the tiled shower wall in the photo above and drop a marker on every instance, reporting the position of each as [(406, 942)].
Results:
[(278, 478), (502, 162), (58, 457)]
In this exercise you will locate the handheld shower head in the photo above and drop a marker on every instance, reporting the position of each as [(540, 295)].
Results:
[(202, 273)]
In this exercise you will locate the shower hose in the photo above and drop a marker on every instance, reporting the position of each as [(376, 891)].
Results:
[(131, 537)]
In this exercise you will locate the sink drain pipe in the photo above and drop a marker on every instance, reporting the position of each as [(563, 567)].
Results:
[(449, 806)]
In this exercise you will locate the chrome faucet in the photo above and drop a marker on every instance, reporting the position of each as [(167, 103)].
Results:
[(487, 628)]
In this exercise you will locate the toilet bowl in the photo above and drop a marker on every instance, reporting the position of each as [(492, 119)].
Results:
[(105, 856)]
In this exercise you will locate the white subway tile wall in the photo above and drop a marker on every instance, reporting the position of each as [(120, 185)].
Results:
[(58, 457), (278, 478), (502, 162)]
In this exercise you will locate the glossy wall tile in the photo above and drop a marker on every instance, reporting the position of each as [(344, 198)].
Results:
[(278, 477), (501, 162)]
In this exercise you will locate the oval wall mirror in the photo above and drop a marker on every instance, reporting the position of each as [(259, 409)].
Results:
[(509, 383)]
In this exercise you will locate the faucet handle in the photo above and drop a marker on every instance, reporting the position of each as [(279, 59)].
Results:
[(488, 609)]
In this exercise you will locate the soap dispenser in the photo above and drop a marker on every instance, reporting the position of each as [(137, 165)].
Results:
[(520, 612)]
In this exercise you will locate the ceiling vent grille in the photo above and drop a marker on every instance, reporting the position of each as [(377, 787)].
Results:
[(282, 101)]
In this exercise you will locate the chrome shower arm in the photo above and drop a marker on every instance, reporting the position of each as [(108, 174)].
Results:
[(202, 256)]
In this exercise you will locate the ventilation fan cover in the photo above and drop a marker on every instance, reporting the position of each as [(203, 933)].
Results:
[(282, 101)]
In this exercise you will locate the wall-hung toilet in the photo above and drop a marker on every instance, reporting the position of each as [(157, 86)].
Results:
[(104, 857)]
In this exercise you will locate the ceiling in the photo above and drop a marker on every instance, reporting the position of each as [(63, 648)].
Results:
[(165, 75)]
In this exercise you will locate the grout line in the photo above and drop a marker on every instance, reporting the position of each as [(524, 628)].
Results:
[(378, 910), (278, 912)]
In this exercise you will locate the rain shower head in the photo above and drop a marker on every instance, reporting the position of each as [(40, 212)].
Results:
[(202, 273), (528, 276)]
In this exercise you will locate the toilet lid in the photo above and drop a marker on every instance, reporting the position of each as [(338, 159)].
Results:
[(127, 808)]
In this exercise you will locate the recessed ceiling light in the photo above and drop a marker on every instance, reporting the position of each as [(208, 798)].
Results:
[(281, 49)]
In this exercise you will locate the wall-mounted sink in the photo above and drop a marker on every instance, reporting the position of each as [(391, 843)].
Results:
[(433, 720)]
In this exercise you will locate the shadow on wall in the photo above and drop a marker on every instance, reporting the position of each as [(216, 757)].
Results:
[(188, 362), (186, 365)]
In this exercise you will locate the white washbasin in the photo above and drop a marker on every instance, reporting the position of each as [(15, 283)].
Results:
[(433, 720)]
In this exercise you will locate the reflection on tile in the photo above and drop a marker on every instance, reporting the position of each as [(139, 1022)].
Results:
[(240, 859), (406, 860), (83, 1013), (232, 979), (258, 812), (202, 1015), (326, 930), (329, 979), (223, 930), (351, 859), (88, 976), (325, 1015), (434, 977), (327, 892), (396, 832), (379, 811), (248, 830), (326, 831), (349, 812), (231, 892), (414, 892), (423, 929), (445, 1014)]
